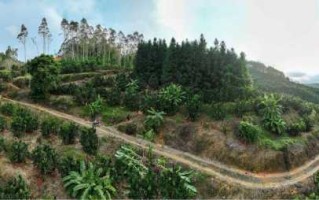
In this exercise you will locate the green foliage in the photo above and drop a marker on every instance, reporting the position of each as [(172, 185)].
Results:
[(193, 106), (271, 112), (68, 132), (44, 71), (89, 183), (249, 132), (296, 128), (130, 128), (131, 96), (149, 135), (85, 94), (154, 120), (152, 179), (8, 109), (96, 107), (19, 152), (50, 126), (3, 123), (45, 158), (15, 188), (89, 140), (2, 144), (171, 97), (67, 164), (114, 115), (218, 111), (114, 97), (149, 100), (216, 71), (24, 122)]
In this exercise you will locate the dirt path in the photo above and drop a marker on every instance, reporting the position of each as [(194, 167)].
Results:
[(216, 169)]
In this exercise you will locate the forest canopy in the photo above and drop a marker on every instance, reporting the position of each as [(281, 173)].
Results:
[(216, 72)]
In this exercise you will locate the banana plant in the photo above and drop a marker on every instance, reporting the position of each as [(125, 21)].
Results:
[(89, 183)]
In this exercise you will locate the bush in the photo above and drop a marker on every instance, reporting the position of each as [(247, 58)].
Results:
[(149, 135), (24, 122), (2, 144), (3, 124), (68, 164), (8, 109), (149, 101), (68, 132), (16, 188), (49, 126), (248, 132), (129, 129), (218, 112), (193, 105), (114, 97), (19, 152), (296, 128), (154, 120), (44, 158), (131, 96), (171, 97), (89, 140)]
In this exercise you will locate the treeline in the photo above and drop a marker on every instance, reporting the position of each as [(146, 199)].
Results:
[(86, 44), (217, 73)]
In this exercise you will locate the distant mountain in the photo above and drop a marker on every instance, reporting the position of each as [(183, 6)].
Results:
[(314, 85), (269, 79)]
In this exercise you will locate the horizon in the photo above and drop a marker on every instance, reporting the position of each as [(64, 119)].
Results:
[(285, 40)]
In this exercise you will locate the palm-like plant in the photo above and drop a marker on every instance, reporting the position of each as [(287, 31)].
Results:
[(95, 107), (171, 97), (271, 111), (154, 119), (89, 183)]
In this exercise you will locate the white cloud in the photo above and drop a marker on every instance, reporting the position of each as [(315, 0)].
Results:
[(175, 17)]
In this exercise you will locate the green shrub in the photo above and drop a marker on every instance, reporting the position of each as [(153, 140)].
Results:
[(248, 132), (16, 188), (149, 135), (24, 122), (129, 129), (154, 120), (114, 97), (193, 105), (3, 123), (2, 144), (68, 132), (296, 128), (19, 152), (89, 140), (45, 158), (218, 111), (170, 98), (131, 96), (49, 126), (8, 109), (67, 164), (96, 107), (149, 100)]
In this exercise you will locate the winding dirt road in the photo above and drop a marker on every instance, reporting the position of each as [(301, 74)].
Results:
[(215, 169)]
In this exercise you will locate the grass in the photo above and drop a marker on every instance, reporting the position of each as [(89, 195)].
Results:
[(277, 143), (114, 115)]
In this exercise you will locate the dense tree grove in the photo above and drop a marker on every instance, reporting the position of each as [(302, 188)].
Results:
[(44, 71), (217, 72), (98, 45)]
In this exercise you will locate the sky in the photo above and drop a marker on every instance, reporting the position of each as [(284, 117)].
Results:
[(280, 33)]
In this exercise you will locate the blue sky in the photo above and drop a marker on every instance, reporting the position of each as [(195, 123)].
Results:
[(281, 33)]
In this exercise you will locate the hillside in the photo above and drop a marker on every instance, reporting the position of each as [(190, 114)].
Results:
[(269, 79)]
